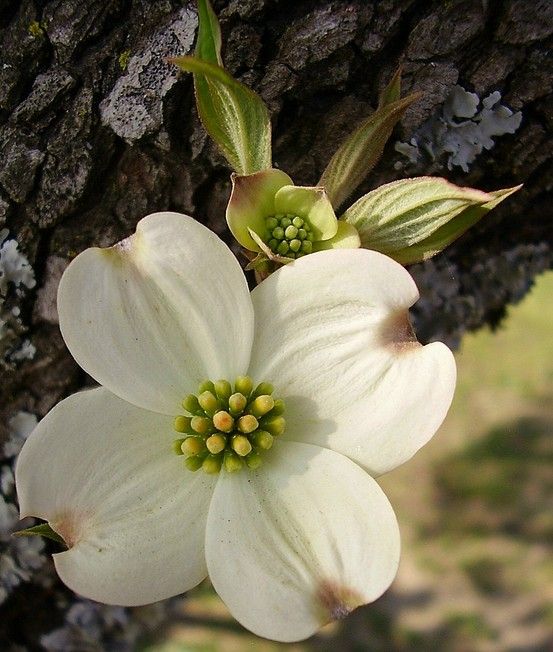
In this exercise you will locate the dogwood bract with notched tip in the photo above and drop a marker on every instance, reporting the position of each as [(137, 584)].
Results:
[(300, 540)]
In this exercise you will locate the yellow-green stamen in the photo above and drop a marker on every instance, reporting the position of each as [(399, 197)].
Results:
[(288, 235), (192, 446), (182, 424), (216, 443), (223, 421), (247, 423), (228, 426)]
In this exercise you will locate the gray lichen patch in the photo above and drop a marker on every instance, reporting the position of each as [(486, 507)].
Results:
[(16, 276), (14, 266), (134, 107), (460, 130), (110, 627), (20, 557), (435, 80), (20, 425)]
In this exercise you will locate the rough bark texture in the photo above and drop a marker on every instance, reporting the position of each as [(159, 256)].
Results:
[(96, 131)]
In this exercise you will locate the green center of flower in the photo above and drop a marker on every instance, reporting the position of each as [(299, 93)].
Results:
[(228, 427), (288, 235)]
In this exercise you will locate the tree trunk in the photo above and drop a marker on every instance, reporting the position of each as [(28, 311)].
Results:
[(97, 130)]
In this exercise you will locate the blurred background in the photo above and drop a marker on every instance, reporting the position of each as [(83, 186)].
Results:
[(475, 512)]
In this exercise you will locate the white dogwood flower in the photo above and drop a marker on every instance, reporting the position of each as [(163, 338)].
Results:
[(288, 521)]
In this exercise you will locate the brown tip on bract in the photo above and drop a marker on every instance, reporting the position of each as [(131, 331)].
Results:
[(335, 601), (70, 528), (120, 252), (128, 244), (396, 333)]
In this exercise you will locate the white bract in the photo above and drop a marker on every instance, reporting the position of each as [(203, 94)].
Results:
[(306, 537)]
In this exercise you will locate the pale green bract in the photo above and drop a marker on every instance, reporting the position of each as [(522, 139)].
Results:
[(301, 540), (444, 235), (362, 149), (232, 114), (257, 199), (409, 220), (413, 219)]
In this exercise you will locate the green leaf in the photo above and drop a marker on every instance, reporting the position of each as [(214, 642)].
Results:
[(400, 214), (208, 45), (361, 150), (42, 530), (232, 114), (392, 92), (448, 233)]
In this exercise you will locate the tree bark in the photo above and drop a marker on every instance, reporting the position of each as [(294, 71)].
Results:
[(97, 130)]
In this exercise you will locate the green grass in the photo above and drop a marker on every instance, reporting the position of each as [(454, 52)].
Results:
[(498, 476), (518, 356)]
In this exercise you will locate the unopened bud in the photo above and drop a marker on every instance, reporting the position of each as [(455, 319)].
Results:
[(236, 403), (263, 439), (254, 461), (244, 385), (223, 390), (278, 408), (192, 446), (223, 421), (261, 405), (206, 386), (275, 426), (241, 445), (263, 388), (177, 446), (248, 423), (190, 404), (212, 464), (193, 463), (232, 462), (200, 425), (216, 443), (182, 424), (208, 402)]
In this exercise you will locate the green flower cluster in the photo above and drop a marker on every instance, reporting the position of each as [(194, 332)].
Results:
[(228, 426), (289, 235)]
